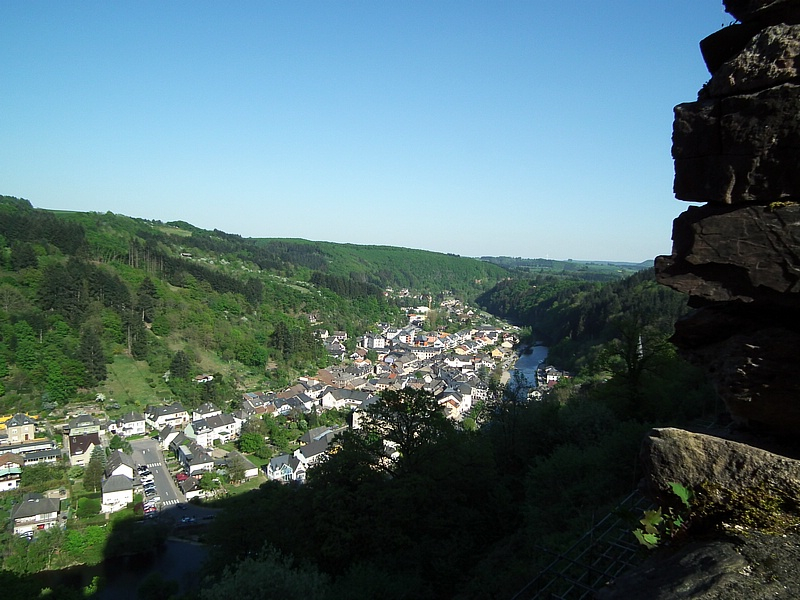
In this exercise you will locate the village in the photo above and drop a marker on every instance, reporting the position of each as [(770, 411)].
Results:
[(169, 456)]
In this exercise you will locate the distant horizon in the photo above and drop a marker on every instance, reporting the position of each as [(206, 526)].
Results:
[(477, 128), (271, 237)]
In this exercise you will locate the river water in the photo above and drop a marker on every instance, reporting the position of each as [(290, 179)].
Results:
[(528, 363), (121, 576), (176, 560)]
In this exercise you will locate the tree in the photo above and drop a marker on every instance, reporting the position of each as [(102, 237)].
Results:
[(269, 575), (93, 476), (57, 386), (156, 587), (23, 256), (90, 353), (400, 431), (235, 468), (181, 366), (207, 482), (117, 443), (250, 443), (146, 298)]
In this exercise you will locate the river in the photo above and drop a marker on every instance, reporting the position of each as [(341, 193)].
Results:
[(527, 364), (121, 577), (176, 560)]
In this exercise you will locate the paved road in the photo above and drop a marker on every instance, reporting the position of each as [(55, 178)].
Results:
[(147, 452)]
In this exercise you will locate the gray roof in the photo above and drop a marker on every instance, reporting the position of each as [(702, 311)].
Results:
[(157, 410), (131, 417), (83, 421), (118, 458), (117, 483), (37, 455), (246, 463), (35, 504), (220, 420), (20, 419)]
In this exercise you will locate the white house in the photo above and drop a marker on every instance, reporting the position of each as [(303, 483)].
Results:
[(285, 468), (119, 463), (158, 416), (129, 424), (35, 513), (204, 411), (117, 493), (9, 477)]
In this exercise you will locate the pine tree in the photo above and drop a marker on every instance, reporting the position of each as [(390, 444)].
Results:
[(146, 297), (90, 353), (93, 476), (181, 365)]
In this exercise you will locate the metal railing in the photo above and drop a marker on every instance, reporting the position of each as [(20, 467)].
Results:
[(601, 555)]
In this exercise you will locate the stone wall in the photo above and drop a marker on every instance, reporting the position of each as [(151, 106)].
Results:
[(737, 256)]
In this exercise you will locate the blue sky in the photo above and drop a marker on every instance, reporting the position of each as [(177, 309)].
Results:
[(479, 128)]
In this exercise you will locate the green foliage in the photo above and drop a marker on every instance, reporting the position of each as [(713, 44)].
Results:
[(43, 476), (156, 587), (93, 475), (85, 546), (575, 316), (91, 354), (268, 575), (118, 443), (251, 443), (664, 524), (88, 507)]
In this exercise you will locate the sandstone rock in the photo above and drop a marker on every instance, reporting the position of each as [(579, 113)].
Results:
[(744, 253), (691, 459), (754, 566), (770, 58), (743, 148), (725, 44), (767, 12), (750, 371)]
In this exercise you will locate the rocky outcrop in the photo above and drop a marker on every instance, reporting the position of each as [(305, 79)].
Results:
[(694, 459), (751, 566), (741, 562), (737, 149)]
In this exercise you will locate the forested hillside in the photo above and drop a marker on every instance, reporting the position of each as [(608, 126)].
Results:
[(133, 309), (575, 316)]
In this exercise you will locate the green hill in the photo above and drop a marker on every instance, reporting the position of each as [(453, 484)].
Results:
[(104, 303)]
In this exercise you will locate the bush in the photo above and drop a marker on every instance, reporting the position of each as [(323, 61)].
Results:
[(88, 507)]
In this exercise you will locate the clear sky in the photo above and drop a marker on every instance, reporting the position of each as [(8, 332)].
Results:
[(518, 128)]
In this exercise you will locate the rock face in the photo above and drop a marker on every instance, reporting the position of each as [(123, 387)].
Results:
[(740, 564), (737, 149), (694, 459)]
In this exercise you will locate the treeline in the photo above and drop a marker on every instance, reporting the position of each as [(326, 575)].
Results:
[(21, 224), (587, 271), (348, 287)]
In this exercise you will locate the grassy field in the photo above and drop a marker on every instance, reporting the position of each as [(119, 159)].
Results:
[(132, 385)]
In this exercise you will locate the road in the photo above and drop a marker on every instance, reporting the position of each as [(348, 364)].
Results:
[(147, 452)]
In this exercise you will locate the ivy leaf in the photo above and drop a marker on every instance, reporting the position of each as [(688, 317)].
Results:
[(649, 540), (681, 492)]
